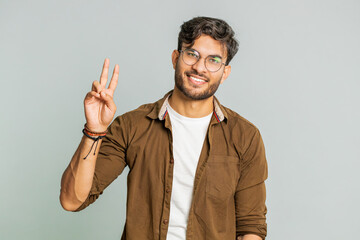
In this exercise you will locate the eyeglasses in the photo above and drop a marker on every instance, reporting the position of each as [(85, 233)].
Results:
[(191, 56)]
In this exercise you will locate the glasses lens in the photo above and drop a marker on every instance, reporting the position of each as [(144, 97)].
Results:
[(213, 64), (190, 57)]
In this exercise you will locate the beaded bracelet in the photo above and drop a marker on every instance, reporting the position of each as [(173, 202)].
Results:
[(96, 139)]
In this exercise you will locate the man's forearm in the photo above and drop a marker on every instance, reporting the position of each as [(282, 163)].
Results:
[(249, 237), (77, 179)]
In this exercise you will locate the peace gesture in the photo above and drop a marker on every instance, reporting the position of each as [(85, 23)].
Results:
[(99, 104)]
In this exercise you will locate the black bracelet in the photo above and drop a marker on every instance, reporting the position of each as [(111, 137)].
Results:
[(96, 140)]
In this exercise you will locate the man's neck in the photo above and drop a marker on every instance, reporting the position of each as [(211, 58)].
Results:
[(190, 108)]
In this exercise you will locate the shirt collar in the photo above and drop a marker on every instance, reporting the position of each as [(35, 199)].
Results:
[(160, 110)]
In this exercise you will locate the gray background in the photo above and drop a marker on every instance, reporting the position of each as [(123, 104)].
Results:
[(296, 77)]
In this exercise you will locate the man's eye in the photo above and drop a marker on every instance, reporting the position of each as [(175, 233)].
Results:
[(191, 54), (215, 60)]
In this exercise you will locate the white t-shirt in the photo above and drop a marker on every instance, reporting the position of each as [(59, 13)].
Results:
[(188, 138)]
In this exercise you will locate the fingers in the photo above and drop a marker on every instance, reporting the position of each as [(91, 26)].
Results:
[(102, 96), (91, 95), (104, 76), (104, 73), (109, 102), (114, 78), (96, 87)]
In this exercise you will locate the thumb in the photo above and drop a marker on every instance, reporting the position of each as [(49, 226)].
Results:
[(109, 102)]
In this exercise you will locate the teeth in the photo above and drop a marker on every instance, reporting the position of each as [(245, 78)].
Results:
[(197, 79)]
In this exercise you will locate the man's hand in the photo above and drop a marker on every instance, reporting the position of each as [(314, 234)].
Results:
[(99, 111), (98, 104), (249, 237)]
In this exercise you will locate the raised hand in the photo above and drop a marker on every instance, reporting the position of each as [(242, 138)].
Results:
[(99, 104)]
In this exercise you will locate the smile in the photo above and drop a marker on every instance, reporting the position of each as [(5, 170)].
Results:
[(196, 80)]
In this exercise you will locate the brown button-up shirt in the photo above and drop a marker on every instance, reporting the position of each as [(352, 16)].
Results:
[(229, 190)]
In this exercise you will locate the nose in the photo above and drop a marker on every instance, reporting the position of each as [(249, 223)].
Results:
[(199, 66)]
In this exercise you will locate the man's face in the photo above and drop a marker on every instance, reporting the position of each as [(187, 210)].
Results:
[(197, 82)]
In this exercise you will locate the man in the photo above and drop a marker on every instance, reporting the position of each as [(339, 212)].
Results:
[(197, 169)]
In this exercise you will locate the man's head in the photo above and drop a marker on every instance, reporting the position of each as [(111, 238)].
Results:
[(205, 48), (216, 28)]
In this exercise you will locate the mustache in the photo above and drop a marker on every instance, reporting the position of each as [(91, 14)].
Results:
[(196, 73)]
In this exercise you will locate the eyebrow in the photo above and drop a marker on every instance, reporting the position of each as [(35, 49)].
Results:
[(211, 55)]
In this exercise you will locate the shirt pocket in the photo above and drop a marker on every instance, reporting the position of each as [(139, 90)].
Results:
[(223, 173)]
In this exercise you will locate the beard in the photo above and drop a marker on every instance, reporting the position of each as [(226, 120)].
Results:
[(190, 93)]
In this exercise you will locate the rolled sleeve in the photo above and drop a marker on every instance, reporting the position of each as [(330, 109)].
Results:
[(110, 161), (250, 194)]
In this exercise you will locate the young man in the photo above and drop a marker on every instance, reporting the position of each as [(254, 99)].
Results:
[(197, 169)]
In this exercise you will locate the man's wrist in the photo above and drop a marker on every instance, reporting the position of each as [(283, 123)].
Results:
[(95, 130)]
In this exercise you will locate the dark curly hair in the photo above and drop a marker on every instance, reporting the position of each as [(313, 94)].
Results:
[(215, 28)]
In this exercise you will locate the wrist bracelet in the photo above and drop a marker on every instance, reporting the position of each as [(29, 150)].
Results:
[(96, 140), (95, 133)]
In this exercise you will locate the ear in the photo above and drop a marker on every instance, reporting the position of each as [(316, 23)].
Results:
[(174, 57), (226, 73)]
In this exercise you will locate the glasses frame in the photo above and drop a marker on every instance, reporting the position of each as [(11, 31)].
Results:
[(182, 57)]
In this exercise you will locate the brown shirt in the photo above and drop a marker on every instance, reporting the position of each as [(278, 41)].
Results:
[(229, 189)]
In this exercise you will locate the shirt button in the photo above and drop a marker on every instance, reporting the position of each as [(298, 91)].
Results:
[(165, 221), (168, 190), (171, 160)]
